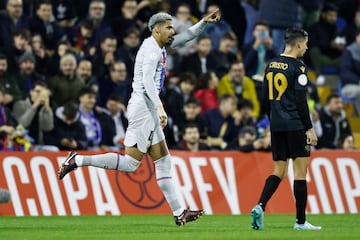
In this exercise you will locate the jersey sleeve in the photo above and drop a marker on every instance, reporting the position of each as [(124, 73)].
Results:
[(149, 70), (301, 78), (301, 97), (191, 33)]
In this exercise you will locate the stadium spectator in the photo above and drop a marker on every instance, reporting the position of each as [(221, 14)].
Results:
[(350, 72), (236, 83), (244, 115), (334, 122), (45, 24), (178, 95), (116, 109), (8, 81), (82, 37), (121, 24), (35, 113), (27, 76), (96, 14), (247, 141), (84, 73), (62, 47), (353, 28), (12, 19), (280, 14), (206, 91), (191, 139), (104, 55), (65, 86), (258, 52), (219, 123), (7, 122), (43, 59), (217, 30), (68, 132), (201, 60), (182, 21), (100, 127), (115, 81), (21, 44), (190, 115), (193, 4), (64, 12), (346, 142), (327, 42), (127, 51), (224, 54)]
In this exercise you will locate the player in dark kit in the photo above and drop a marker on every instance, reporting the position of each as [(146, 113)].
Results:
[(284, 100)]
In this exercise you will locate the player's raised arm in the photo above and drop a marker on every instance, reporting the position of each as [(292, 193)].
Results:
[(195, 30)]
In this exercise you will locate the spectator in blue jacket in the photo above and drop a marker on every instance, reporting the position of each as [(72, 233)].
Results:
[(350, 72), (259, 51)]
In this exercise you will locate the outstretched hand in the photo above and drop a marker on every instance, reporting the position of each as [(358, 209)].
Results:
[(213, 17)]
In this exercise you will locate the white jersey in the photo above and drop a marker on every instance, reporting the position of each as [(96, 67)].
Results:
[(150, 66), (149, 72)]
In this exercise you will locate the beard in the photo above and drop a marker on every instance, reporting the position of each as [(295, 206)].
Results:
[(171, 39)]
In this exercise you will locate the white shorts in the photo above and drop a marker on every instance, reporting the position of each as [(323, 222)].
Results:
[(144, 127)]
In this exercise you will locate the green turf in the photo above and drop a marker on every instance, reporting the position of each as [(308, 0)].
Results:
[(162, 227)]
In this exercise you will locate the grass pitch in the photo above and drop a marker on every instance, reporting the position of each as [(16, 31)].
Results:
[(144, 227)]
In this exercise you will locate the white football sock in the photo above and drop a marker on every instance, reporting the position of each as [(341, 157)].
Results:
[(108, 161), (164, 180)]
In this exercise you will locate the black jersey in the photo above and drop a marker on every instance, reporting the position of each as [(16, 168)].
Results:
[(285, 85)]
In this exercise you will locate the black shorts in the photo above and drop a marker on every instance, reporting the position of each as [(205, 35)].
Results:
[(290, 144)]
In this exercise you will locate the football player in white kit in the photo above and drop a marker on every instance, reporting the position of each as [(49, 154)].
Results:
[(146, 114)]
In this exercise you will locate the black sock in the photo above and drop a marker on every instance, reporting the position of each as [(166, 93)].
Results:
[(271, 184), (300, 193)]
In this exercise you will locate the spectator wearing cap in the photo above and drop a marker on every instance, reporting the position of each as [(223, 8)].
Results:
[(100, 127), (65, 86), (34, 113), (65, 13), (27, 76), (12, 92), (11, 19), (68, 133)]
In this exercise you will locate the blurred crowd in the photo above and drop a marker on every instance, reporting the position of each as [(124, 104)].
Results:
[(66, 68)]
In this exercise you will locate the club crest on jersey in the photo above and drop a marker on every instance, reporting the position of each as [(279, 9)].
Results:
[(302, 68), (152, 56)]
